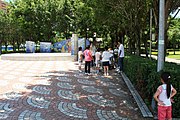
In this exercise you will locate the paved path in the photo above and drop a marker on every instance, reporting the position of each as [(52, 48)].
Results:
[(54, 90)]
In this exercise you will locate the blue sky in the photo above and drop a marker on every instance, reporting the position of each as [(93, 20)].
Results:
[(7, 0), (178, 15)]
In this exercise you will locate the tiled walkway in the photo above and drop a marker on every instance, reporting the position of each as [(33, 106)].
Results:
[(55, 90)]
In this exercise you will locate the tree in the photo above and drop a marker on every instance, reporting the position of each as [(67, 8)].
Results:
[(124, 17), (174, 33), (38, 19), (170, 6)]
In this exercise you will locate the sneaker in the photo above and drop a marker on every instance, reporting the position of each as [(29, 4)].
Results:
[(104, 74), (80, 71), (117, 69), (89, 74), (86, 73), (107, 74)]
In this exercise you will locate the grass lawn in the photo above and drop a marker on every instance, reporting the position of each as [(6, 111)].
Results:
[(171, 55), (174, 56), (154, 53)]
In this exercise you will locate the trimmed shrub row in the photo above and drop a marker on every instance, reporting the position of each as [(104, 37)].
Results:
[(143, 74)]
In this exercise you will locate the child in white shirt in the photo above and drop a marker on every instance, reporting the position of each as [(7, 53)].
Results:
[(163, 96), (97, 60), (80, 58), (105, 61)]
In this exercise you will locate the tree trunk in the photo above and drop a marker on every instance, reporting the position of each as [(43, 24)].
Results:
[(134, 47), (112, 35), (6, 47), (146, 49), (18, 45), (14, 48), (129, 46)]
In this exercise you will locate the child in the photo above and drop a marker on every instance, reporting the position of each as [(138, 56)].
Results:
[(105, 61), (88, 58), (97, 60), (163, 96), (93, 51), (111, 62), (116, 57), (80, 58)]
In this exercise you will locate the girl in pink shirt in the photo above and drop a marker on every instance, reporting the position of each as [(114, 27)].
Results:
[(88, 58), (163, 96)]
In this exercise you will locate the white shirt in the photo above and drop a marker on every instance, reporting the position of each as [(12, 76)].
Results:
[(121, 48), (163, 96), (80, 53), (111, 52), (97, 57), (106, 56), (93, 49), (116, 51)]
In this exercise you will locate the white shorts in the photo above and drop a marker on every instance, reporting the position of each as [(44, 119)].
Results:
[(80, 62), (98, 63)]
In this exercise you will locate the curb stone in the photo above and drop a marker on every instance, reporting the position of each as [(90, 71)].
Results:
[(142, 106)]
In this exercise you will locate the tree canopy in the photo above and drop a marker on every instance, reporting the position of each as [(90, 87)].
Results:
[(42, 20)]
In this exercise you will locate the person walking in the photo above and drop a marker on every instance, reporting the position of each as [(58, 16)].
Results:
[(97, 60), (88, 58), (163, 96), (80, 58), (116, 56), (120, 56), (93, 51), (105, 61), (111, 61)]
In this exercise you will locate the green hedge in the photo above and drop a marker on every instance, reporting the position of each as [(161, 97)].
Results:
[(143, 74)]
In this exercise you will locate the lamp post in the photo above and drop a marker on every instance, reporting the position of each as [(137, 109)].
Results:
[(94, 36), (74, 40), (87, 29), (160, 63), (150, 51)]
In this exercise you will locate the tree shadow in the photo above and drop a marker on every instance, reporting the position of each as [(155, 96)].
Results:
[(39, 99), (44, 98)]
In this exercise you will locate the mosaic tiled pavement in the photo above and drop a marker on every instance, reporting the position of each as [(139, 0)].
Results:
[(55, 90)]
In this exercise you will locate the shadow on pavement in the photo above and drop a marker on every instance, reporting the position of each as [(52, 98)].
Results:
[(66, 95)]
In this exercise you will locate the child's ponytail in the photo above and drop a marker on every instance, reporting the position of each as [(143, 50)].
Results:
[(166, 78), (168, 87)]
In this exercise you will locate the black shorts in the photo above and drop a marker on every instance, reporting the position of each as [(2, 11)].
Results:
[(106, 63), (115, 56)]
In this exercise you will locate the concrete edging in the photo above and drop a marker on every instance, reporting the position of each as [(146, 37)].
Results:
[(38, 57), (142, 106)]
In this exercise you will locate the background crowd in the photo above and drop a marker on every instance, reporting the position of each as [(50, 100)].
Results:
[(101, 59)]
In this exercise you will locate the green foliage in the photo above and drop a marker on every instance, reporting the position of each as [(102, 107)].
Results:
[(142, 73), (174, 32), (38, 20)]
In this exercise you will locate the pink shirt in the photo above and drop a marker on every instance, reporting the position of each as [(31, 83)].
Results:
[(88, 55)]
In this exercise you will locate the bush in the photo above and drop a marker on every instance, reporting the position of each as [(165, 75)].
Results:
[(143, 74)]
